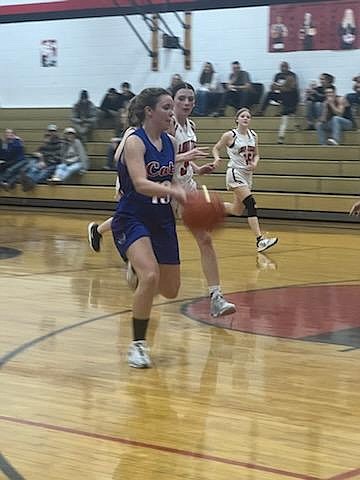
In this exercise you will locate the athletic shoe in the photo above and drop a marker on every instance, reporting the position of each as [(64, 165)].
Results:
[(332, 141), (264, 243), (131, 277), (138, 355), (275, 103), (219, 306), (94, 237)]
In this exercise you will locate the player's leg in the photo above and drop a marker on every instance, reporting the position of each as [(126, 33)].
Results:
[(243, 195), (95, 233), (141, 257), (218, 304)]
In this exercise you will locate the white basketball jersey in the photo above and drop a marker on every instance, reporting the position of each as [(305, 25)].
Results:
[(242, 150), (186, 140)]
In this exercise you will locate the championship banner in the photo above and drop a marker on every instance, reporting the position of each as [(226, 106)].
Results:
[(315, 26), (27, 10)]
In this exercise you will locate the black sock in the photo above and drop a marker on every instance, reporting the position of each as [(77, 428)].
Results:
[(139, 328), (258, 238)]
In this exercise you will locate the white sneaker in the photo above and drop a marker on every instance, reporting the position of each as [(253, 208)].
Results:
[(138, 355), (274, 102), (332, 141), (131, 277), (264, 243), (219, 306)]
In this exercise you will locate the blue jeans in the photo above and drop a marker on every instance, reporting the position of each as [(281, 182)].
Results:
[(335, 125), (64, 170), (37, 174), (202, 102), (11, 174), (313, 111)]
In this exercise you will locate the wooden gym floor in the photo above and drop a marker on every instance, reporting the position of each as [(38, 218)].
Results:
[(274, 395)]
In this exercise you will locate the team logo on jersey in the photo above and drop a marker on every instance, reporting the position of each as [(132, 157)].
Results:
[(155, 169)]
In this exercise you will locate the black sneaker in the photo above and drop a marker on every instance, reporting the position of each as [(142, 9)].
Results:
[(94, 237)]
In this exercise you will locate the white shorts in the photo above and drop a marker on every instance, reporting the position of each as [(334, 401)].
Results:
[(189, 186), (236, 177)]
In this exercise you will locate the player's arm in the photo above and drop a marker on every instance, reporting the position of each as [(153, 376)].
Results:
[(134, 155), (254, 162), (120, 147), (225, 141)]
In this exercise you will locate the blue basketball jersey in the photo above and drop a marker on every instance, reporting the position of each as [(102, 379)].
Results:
[(160, 167)]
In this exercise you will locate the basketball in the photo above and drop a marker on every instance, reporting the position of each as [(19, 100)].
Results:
[(203, 211)]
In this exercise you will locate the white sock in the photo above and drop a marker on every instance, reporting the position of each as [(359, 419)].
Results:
[(214, 290)]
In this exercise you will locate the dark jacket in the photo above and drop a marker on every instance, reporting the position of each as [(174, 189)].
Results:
[(12, 152)]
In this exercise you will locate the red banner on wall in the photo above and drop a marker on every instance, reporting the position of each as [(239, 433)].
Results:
[(24, 10), (315, 26)]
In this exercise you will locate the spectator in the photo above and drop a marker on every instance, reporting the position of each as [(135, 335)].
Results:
[(114, 143), (74, 158), (126, 95), (209, 94), (176, 79), (283, 91), (335, 118), (84, 116), (238, 87), (109, 108), (354, 98), (45, 160), (314, 99), (12, 159)]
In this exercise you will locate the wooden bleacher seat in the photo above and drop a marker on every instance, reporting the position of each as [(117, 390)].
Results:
[(299, 179)]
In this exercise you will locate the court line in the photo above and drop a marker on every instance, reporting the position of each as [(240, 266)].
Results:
[(31, 343), (346, 475), (161, 448), (27, 345), (9, 470)]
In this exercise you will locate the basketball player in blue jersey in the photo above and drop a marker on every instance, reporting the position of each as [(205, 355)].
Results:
[(241, 145), (183, 129), (144, 225)]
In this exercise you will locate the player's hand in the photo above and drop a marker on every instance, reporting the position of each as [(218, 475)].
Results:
[(178, 193), (355, 209), (205, 169), (251, 166)]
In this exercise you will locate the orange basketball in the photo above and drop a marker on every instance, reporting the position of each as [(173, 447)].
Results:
[(203, 212)]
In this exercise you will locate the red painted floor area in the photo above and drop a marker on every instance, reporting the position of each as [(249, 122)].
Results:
[(292, 312)]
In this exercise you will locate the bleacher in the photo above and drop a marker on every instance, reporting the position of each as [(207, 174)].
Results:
[(297, 180)]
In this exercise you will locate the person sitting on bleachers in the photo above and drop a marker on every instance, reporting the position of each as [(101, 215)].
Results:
[(84, 116), (114, 143), (126, 95), (210, 92), (109, 108), (238, 88), (354, 98), (283, 91), (315, 97), (175, 80), (44, 161), (336, 117), (74, 159), (12, 159)]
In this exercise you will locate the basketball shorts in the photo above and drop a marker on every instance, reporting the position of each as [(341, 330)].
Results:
[(127, 229), (236, 177)]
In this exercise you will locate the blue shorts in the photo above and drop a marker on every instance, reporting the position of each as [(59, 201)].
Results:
[(127, 229)]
